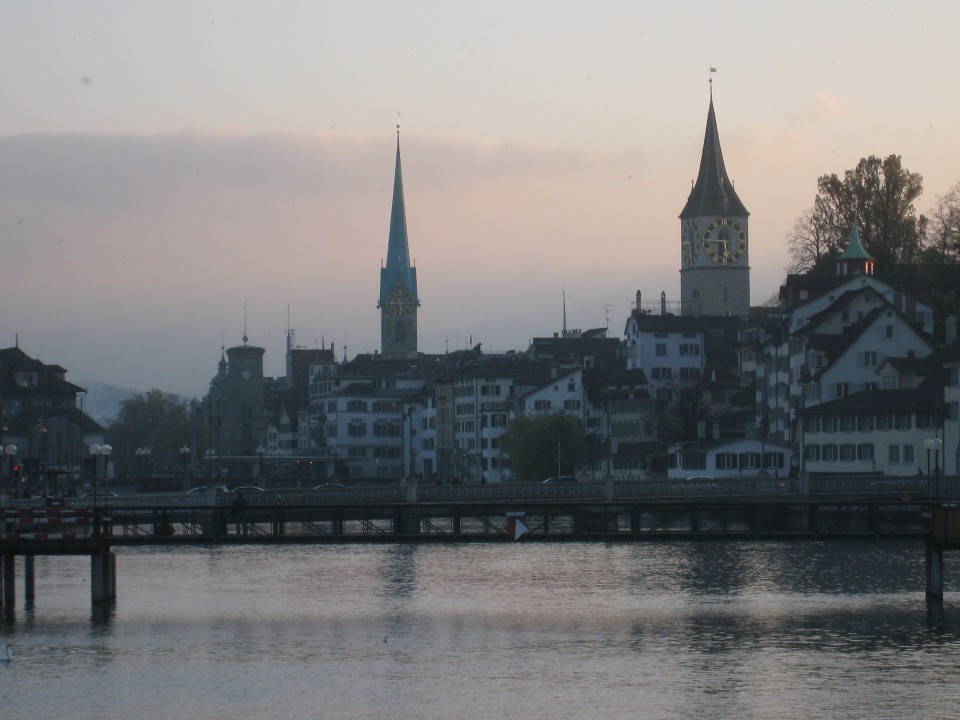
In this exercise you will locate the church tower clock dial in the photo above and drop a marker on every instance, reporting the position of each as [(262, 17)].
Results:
[(724, 241)]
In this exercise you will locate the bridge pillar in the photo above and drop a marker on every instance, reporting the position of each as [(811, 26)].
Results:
[(29, 589), (103, 572), (934, 570), (9, 581)]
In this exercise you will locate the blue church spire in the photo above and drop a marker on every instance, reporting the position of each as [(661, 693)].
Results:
[(398, 270)]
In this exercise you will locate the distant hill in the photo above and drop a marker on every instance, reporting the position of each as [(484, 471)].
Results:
[(102, 402)]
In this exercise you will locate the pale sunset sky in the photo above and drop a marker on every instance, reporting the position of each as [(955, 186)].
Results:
[(164, 163)]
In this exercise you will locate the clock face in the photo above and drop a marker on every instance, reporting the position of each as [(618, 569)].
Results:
[(399, 302), (724, 241), (689, 243)]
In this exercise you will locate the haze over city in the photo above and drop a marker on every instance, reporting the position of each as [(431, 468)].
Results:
[(164, 165)]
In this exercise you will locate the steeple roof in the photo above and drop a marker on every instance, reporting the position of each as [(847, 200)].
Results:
[(855, 249), (398, 268), (713, 193)]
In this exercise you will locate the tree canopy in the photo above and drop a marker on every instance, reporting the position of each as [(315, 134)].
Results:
[(881, 194), (544, 446), (157, 420)]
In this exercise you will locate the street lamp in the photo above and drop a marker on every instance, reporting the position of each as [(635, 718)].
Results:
[(934, 444), (143, 461), (9, 451), (105, 451)]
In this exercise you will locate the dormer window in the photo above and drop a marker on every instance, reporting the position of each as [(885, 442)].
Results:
[(26, 379)]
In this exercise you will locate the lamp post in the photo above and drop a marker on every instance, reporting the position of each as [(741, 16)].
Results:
[(184, 453), (261, 451), (143, 461), (8, 452), (935, 445), (100, 451)]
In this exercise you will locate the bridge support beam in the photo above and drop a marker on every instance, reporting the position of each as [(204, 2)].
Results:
[(9, 581), (103, 577), (934, 570), (29, 584)]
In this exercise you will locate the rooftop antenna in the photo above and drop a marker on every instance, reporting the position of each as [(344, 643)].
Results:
[(244, 323), (606, 314), (290, 333), (564, 312)]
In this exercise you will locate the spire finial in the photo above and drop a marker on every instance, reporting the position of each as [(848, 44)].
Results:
[(398, 124), (712, 71)]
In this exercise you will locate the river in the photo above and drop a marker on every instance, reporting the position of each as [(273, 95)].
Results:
[(525, 630)]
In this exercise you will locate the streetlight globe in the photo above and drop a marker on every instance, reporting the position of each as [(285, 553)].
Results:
[(106, 450)]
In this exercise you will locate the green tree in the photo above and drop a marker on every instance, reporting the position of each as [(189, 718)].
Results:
[(157, 420), (544, 446), (881, 195)]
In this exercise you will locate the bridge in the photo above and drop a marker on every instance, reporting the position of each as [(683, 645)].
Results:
[(699, 509)]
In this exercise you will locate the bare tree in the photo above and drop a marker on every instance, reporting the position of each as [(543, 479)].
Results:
[(943, 231), (881, 195)]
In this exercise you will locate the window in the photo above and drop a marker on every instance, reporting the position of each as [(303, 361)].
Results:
[(811, 424), (870, 358), (726, 461), (848, 423), (489, 389), (889, 382), (893, 454), (690, 349), (865, 423), (773, 460), (542, 405), (357, 428), (848, 452), (811, 453), (750, 461), (829, 452), (694, 460), (908, 454), (843, 389), (888, 332), (386, 428), (661, 350), (661, 373), (571, 405), (356, 406), (498, 420), (952, 411), (865, 452)]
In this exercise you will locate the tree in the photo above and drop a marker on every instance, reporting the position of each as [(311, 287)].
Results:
[(881, 195), (157, 420), (943, 231), (544, 446), (941, 259)]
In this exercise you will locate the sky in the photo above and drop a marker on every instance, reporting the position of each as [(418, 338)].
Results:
[(174, 173)]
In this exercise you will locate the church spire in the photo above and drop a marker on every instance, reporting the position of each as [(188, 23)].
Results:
[(713, 193), (398, 269)]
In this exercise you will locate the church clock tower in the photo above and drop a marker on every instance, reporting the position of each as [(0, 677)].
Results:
[(714, 270), (398, 282)]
